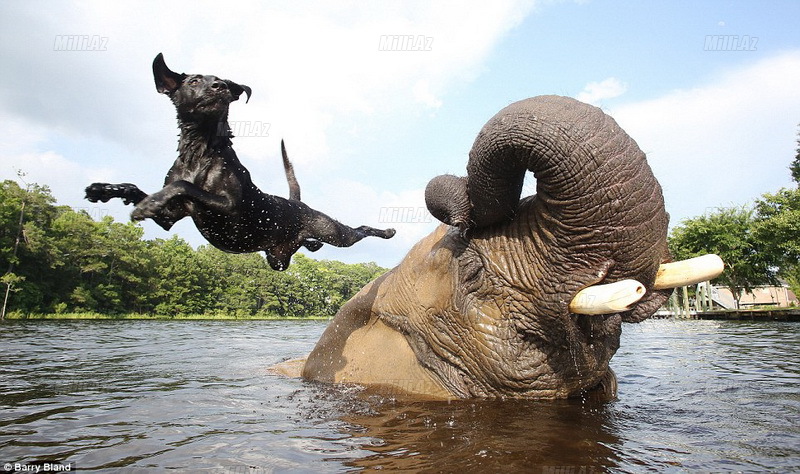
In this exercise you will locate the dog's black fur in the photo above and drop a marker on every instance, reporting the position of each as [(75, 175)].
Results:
[(208, 183)]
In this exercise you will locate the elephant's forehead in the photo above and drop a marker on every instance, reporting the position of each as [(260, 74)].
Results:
[(424, 278), (432, 254)]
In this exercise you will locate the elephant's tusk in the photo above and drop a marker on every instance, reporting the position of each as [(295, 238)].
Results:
[(619, 296), (607, 299), (688, 272)]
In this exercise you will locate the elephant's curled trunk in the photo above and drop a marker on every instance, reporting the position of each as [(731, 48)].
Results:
[(594, 187), (573, 149)]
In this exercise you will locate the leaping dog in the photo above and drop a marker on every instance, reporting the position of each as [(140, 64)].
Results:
[(209, 183)]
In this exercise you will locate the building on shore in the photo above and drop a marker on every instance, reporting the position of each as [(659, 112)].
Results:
[(780, 296), (719, 298)]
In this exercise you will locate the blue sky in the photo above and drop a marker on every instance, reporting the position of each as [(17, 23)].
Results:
[(366, 128)]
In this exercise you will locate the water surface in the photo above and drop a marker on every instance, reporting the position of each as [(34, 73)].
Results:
[(196, 395)]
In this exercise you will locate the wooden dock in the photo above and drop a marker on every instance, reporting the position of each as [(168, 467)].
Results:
[(752, 315)]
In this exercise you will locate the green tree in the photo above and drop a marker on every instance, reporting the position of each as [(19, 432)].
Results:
[(280, 294), (794, 168), (125, 281), (9, 280), (777, 227), (242, 282), (729, 233), (324, 286), (310, 294), (100, 266), (25, 215), (342, 281), (76, 262), (180, 284)]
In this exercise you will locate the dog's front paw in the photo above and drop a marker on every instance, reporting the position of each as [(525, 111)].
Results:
[(98, 192)]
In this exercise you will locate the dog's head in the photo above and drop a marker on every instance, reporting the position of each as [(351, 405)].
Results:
[(195, 94)]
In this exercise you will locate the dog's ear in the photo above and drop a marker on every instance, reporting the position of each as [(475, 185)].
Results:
[(236, 90), (167, 81)]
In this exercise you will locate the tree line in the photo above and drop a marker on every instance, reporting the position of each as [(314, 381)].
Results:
[(759, 243), (56, 259)]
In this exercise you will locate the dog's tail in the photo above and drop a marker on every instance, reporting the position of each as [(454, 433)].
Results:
[(294, 186)]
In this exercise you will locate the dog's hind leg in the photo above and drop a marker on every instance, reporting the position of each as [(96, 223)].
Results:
[(294, 186), (129, 193), (329, 230)]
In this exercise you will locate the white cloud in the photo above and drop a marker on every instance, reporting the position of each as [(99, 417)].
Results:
[(25, 153), (596, 92), (309, 66), (734, 136), (423, 95)]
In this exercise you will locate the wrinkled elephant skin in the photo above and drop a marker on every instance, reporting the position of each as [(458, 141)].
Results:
[(479, 308)]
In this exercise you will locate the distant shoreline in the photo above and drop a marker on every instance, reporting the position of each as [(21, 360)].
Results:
[(156, 317)]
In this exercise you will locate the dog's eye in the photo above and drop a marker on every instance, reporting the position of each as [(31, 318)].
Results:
[(193, 81)]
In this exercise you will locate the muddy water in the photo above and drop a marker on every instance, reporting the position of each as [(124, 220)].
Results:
[(137, 396)]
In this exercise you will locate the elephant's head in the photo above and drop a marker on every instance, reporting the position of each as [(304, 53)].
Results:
[(481, 307)]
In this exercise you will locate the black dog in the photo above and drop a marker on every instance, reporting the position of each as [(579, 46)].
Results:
[(208, 183)]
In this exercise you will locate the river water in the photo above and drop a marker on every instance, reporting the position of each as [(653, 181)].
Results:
[(143, 396)]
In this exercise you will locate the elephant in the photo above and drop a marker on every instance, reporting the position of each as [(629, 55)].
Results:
[(481, 307)]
